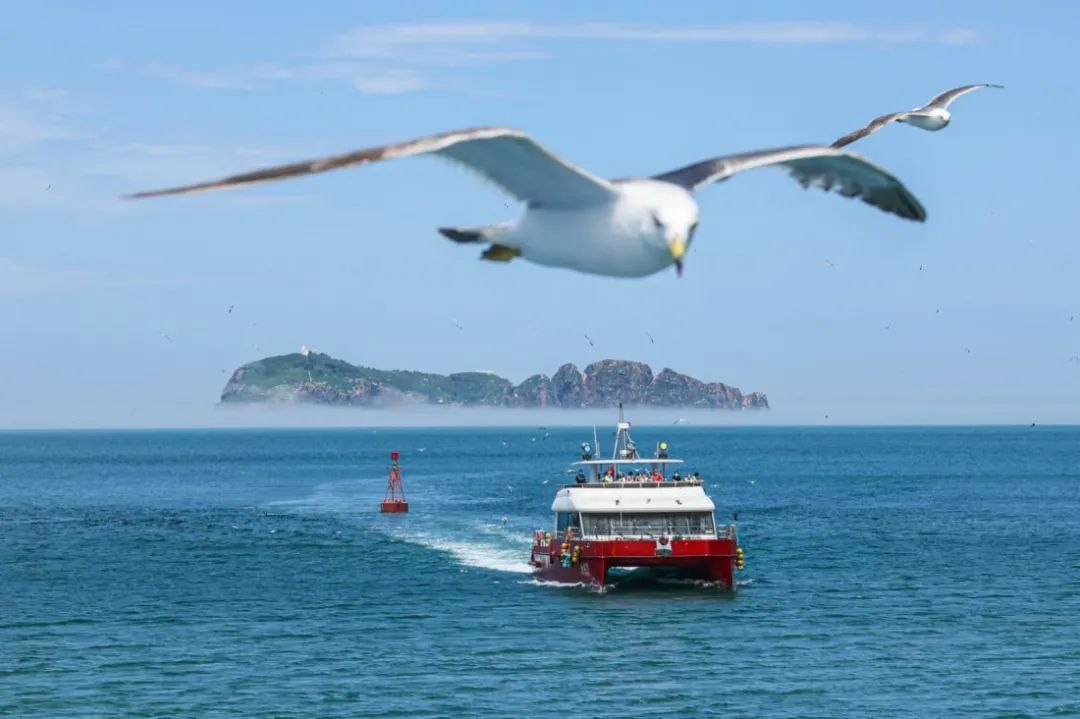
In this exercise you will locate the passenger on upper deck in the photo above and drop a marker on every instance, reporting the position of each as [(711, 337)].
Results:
[(657, 477), (676, 477), (579, 477)]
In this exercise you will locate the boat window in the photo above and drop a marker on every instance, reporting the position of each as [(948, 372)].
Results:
[(648, 524), (567, 519)]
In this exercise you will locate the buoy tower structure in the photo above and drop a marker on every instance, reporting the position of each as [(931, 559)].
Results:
[(394, 500)]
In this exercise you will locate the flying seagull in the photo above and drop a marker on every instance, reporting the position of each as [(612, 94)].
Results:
[(577, 220), (934, 116), (589, 340)]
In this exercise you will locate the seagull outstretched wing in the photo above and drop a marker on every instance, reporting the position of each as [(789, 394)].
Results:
[(945, 99), (505, 156), (876, 124), (811, 165)]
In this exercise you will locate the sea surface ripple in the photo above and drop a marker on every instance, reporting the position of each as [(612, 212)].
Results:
[(900, 572)]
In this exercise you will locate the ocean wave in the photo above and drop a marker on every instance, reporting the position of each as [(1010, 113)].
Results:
[(557, 585), (472, 554)]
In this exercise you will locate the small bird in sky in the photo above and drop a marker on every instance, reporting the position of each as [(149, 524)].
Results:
[(650, 338), (934, 115), (589, 341), (165, 335), (829, 264), (231, 307), (968, 350), (920, 268), (457, 324)]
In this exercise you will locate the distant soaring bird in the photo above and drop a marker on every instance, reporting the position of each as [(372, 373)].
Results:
[(934, 116), (574, 219)]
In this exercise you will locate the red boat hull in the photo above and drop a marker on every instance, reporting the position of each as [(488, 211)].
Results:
[(712, 560)]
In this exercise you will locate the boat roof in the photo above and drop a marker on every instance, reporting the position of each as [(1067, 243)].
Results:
[(639, 460), (667, 497)]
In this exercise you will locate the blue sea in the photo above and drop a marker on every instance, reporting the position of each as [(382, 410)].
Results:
[(230, 573)]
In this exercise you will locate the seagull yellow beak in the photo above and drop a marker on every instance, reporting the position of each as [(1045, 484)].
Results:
[(677, 247)]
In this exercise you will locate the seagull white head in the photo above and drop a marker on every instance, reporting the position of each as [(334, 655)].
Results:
[(670, 219)]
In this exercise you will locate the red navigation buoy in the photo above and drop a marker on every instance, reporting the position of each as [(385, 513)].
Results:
[(394, 501)]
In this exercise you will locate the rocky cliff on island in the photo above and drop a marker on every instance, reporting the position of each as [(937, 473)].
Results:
[(313, 377)]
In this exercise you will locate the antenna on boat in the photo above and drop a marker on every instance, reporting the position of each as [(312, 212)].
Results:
[(624, 446)]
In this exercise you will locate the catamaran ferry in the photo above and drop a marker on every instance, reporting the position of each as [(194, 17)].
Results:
[(636, 512)]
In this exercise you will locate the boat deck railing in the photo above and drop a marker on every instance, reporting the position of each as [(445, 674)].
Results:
[(642, 483), (723, 531)]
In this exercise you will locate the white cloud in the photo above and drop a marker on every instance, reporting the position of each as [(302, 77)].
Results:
[(366, 77), (393, 58), (403, 40), (20, 129)]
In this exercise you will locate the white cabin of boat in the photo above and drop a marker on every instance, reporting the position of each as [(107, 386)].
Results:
[(630, 496)]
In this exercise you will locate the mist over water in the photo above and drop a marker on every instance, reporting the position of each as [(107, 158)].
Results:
[(195, 415)]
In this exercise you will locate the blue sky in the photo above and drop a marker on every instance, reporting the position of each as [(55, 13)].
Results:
[(115, 313)]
